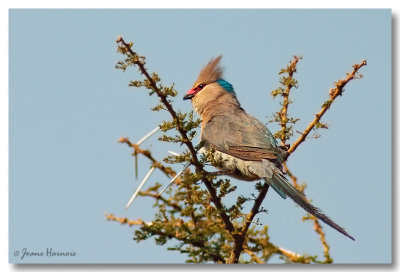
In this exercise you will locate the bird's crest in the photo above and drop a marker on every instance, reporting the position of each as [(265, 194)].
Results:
[(211, 72)]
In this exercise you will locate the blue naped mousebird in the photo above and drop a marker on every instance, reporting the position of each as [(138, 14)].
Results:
[(242, 145)]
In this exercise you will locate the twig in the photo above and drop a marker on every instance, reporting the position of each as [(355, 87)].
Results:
[(124, 220), (166, 170), (292, 256), (253, 256), (292, 177), (320, 232), (156, 196), (291, 69), (333, 94), (318, 229)]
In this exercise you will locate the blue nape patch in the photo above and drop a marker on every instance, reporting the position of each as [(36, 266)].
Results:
[(226, 85)]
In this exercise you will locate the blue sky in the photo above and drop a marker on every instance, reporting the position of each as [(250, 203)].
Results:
[(68, 107)]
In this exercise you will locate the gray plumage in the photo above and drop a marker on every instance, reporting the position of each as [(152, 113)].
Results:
[(241, 144)]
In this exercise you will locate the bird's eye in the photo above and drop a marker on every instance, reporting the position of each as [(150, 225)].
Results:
[(201, 86)]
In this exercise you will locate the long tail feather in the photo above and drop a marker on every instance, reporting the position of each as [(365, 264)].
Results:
[(277, 189), (282, 185)]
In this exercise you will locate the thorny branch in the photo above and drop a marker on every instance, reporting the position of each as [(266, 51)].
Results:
[(238, 239), (333, 94), (289, 82), (292, 177), (166, 170), (199, 167), (124, 220), (318, 229), (249, 219), (174, 205)]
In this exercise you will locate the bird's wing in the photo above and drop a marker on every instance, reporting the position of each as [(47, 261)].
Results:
[(242, 136)]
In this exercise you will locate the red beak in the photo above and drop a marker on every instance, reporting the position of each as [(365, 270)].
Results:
[(189, 94)]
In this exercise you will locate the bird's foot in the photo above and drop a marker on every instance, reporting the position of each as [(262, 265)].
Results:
[(285, 147)]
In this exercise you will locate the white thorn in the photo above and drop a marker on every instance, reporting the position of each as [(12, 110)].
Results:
[(147, 136), (140, 187), (173, 153), (177, 176), (289, 252)]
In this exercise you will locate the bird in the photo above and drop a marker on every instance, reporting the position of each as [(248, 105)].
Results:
[(242, 146)]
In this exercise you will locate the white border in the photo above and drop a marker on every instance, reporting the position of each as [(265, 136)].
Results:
[(5, 5)]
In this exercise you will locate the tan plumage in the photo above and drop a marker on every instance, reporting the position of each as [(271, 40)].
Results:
[(207, 103), (210, 73)]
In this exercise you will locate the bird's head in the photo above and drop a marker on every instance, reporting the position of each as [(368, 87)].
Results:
[(210, 86)]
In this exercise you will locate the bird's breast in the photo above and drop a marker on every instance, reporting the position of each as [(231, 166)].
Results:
[(235, 167)]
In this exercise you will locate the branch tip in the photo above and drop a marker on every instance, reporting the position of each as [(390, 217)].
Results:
[(333, 94)]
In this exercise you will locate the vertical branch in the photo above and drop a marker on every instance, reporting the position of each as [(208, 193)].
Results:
[(289, 82), (240, 238), (325, 246), (292, 177), (318, 229)]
